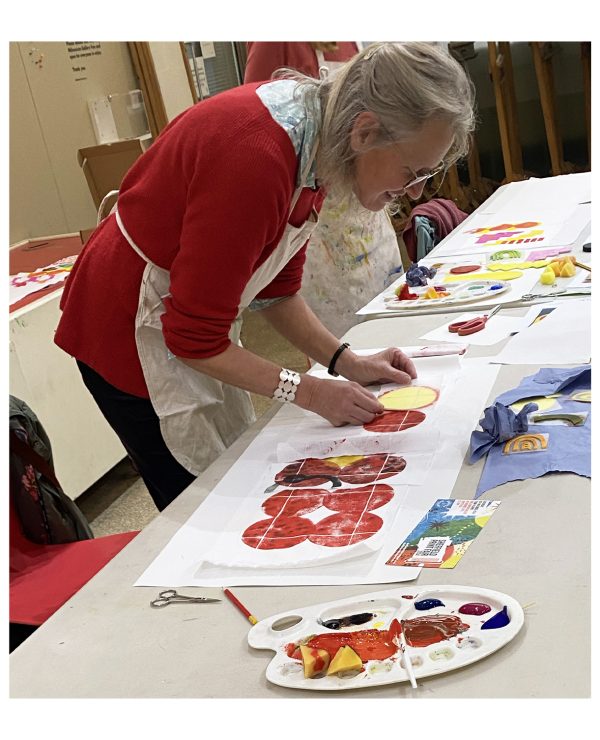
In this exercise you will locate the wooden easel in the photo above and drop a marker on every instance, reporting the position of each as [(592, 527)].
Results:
[(501, 71), (586, 61), (542, 59)]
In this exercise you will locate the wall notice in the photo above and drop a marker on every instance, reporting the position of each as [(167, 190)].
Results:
[(80, 54)]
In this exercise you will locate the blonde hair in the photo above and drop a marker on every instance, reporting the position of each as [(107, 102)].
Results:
[(404, 85)]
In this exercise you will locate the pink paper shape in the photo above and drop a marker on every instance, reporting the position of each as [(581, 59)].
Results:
[(542, 254)]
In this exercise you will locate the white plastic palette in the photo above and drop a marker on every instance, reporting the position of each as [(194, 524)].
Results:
[(459, 293), (471, 645)]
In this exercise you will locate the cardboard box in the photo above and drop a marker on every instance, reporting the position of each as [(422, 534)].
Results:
[(105, 165)]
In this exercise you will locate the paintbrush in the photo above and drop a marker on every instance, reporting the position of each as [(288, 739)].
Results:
[(400, 640), (584, 267)]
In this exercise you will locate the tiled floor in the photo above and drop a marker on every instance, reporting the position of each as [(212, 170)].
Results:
[(120, 502)]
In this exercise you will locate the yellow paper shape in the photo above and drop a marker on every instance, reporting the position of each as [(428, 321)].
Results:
[(499, 275), (409, 397), (525, 443), (517, 265), (583, 396), (545, 403)]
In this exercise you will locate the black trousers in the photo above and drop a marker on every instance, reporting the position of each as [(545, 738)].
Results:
[(137, 426)]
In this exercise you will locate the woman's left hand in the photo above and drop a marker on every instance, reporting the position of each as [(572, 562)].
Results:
[(389, 366)]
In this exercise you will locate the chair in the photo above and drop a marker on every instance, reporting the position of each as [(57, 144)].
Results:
[(52, 552), (44, 577)]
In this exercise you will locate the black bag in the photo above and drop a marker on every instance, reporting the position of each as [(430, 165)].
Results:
[(48, 516)]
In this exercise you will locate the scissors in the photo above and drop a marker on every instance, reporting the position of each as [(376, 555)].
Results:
[(462, 328), (172, 597)]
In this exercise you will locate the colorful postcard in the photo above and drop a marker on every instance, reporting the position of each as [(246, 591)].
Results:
[(444, 534)]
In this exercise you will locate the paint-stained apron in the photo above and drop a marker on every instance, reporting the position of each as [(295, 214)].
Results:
[(353, 256), (201, 416)]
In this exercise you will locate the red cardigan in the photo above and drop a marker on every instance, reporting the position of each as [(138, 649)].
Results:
[(264, 57), (208, 201)]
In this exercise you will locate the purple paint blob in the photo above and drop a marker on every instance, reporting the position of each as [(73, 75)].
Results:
[(475, 607), (426, 604), (500, 619)]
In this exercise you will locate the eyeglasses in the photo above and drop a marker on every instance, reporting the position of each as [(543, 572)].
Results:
[(417, 179)]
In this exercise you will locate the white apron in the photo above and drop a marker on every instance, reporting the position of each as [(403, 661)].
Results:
[(201, 416)]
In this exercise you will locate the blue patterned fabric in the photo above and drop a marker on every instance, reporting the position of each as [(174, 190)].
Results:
[(555, 447), (499, 424), (302, 124)]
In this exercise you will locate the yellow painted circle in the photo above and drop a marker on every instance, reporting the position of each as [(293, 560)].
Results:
[(544, 403), (409, 397)]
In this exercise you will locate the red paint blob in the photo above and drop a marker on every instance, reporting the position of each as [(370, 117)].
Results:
[(463, 269), (371, 468), (368, 644), (306, 473), (476, 608), (395, 421), (424, 631), (345, 529), (278, 533), (290, 503), (357, 500)]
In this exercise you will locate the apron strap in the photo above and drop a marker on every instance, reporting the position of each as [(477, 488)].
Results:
[(304, 174), (132, 244)]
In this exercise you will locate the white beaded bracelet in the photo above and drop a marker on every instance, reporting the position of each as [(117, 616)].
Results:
[(288, 385)]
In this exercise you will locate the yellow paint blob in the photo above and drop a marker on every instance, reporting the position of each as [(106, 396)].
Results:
[(548, 277), (568, 270), (344, 460), (409, 397)]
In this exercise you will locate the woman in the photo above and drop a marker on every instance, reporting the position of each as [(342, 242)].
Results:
[(264, 57), (215, 217), (354, 252)]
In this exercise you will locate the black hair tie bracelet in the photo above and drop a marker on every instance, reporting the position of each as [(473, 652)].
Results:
[(334, 359)]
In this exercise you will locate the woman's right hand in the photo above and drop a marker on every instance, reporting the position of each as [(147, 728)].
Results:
[(341, 401)]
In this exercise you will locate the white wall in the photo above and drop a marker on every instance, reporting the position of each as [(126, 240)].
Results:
[(172, 77), (50, 85)]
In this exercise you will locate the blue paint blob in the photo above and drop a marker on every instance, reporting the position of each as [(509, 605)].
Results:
[(496, 287), (426, 604), (500, 619)]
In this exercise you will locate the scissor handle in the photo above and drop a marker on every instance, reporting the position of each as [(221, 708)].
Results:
[(164, 598), (470, 327), (456, 326), (158, 603)]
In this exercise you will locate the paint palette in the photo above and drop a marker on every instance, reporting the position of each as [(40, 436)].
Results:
[(457, 293), (446, 627)]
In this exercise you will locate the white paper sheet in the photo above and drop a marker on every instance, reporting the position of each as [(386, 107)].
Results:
[(548, 228), (563, 337), (497, 328), (184, 560), (558, 194)]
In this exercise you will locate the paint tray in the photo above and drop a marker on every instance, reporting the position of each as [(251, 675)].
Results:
[(467, 644), (459, 293)]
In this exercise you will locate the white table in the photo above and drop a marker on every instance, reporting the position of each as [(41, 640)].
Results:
[(107, 641), (84, 446)]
